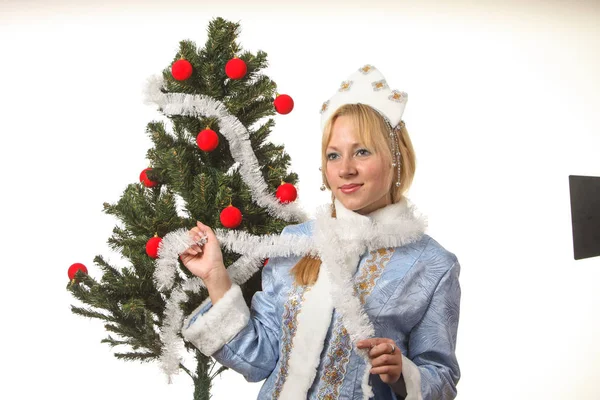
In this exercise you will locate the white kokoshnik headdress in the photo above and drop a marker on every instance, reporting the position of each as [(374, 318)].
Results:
[(368, 86)]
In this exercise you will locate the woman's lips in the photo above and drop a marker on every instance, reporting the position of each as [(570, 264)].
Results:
[(349, 188)]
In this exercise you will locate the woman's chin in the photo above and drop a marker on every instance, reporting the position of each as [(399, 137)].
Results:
[(350, 203)]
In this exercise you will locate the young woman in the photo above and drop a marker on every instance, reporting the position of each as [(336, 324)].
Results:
[(376, 314)]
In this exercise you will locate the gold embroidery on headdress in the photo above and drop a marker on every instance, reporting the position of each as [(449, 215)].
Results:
[(366, 69), (379, 85), (345, 86), (397, 96)]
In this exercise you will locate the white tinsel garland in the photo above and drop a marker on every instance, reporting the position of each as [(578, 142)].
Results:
[(240, 272), (169, 333), (237, 136), (171, 246), (265, 246)]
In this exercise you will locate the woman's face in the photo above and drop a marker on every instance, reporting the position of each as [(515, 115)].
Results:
[(358, 178)]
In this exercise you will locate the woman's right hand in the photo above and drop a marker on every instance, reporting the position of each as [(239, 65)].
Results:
[(206, 261)]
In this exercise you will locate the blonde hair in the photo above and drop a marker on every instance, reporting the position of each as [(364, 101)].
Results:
[(373, 132)]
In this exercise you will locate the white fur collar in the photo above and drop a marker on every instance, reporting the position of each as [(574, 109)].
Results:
[(391, 226), (340, 242), (380, 215)]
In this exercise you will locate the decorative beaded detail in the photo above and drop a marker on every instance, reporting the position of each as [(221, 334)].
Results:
[(379, 85), (366, 69), (345, 86), (371, 272), (325, 106), (289, 325), (398, 96), (397, 162), (336, 362)]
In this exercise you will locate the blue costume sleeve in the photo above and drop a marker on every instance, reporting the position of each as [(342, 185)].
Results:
[(246, 341), (255, 349), (432, 342)]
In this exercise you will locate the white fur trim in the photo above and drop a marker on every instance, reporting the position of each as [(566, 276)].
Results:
[(341, 241), (220, 324), (342, 256), (412, 379), (313, 323)]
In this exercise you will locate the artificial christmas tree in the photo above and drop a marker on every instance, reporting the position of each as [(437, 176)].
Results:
[(188, 184)]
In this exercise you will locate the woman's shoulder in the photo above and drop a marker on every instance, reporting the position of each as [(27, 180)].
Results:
[(433, 248), (428, 251)]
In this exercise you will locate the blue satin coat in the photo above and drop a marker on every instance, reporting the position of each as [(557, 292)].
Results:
[(411, 294)]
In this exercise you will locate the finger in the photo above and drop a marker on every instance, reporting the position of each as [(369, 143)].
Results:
[(372, 342), (194, 231), (387, 374), (383, 348), (386, 359), (386, 369), (196, 235), (199, 242), (189, 252), (196, 248), (205, 229)]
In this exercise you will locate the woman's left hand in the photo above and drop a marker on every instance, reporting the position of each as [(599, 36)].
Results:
[(386, 358)]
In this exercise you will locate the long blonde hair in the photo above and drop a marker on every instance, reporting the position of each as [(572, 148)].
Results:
[(373, 132)]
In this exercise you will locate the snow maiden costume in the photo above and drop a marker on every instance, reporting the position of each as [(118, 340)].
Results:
[(302, 339), (381, 276)]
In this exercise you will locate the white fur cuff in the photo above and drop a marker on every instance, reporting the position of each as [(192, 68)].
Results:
[(412, 379), (212, 330)]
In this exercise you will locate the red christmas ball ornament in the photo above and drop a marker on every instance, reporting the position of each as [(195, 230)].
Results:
[(286, 193), (284, 104), (231, 217), (76, 267), (236, 68), (152, 246), (207, 140), (181, 69), (144, 178)]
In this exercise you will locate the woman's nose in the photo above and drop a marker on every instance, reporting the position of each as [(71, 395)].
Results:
[(347, 168)]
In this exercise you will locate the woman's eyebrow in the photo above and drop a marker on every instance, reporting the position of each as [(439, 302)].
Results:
[(353, 145)]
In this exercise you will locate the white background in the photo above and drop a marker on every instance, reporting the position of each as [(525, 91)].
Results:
[(503, 106)]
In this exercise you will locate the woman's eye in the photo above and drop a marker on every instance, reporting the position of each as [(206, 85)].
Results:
[(363, 152), (331, 156)]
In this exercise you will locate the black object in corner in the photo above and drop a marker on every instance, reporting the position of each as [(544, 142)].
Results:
[(585, 215)]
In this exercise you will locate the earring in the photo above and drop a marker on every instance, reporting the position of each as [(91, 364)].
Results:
[(396, 151), (323, 187)]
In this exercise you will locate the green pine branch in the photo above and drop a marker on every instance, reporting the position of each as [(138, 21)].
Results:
[(89, 313), (137, 356)]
